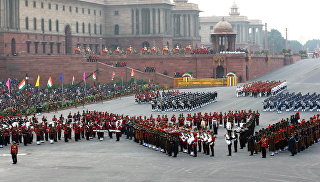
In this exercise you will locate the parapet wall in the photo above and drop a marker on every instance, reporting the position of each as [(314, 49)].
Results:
[(247, 67)]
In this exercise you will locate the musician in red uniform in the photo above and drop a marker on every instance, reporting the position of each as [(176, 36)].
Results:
[(14, 152), (264, 144)]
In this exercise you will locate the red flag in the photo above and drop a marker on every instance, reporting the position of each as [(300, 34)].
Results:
[(84, 76), (8, 84), (121, 73), (113, 74)]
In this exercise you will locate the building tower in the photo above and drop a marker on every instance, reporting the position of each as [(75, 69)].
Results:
[(223, 37), (234, 10)]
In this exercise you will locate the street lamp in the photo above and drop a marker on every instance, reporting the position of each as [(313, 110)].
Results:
[(27, 78)]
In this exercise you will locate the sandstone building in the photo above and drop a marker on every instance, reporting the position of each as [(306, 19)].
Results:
[(58, 26), (249, 32)]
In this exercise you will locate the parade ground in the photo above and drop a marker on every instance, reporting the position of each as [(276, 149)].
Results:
[(127, 161)]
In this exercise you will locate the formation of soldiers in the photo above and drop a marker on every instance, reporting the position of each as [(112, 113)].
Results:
[(292, 134), (150, 95), (292, 102), (191, 134), (87, 125), (183, 101), (260, 88)]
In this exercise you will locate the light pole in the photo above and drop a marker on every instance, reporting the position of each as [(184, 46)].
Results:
[(27, 79)]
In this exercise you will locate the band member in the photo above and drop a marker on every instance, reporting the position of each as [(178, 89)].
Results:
[(118, 129), (235, 141), (14, 152), (228, 139), (264, 144), (66, 133)]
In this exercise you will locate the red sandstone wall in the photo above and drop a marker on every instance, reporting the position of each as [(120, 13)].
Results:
[(202, 66)]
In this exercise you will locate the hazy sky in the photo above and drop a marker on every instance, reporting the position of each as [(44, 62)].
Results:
[(301, 17)]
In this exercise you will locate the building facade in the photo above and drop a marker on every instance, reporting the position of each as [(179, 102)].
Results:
[(250, 34), (59, 26)]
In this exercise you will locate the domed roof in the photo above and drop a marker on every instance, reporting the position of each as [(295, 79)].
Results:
[(223, 27)]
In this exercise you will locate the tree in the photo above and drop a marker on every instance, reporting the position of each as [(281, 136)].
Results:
[(276, 41), (295, 46), (311, 45)]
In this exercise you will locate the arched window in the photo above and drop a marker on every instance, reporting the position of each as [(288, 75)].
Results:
[(116, 29), (77, 27), (89, 28), (57, 25), (42, 25), (83, 28), (35, 23), (50, 25), (27, 23)]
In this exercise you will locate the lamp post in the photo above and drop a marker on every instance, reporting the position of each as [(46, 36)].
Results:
[(27, 79)]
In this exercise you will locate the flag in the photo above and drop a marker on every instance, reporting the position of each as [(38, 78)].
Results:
[(132, 72), (61, 78), (8, 84), (72, 80), (94, 77), (84, 76), (22, 85), (38, 82), (113, 74), (50, 83)]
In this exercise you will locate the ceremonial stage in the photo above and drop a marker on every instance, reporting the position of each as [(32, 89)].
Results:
[(123, 161)]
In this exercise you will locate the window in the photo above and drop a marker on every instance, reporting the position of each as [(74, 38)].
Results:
[(76, 9), (27, 23), (89, 11), (100, 12), (36, 47), (77, 27), (63, 8), (70, 9), (43, 47), (34, 23), (49, 5), (100, 29), (28, 47), (58, 47), (57, 7), (82, 10), (116, 13), (95, 29), (50, 25), (26, 2), (34, 4), (116, 29), (89, 28), (51, 47), (57, 25), (211, 27), (42, 25), (42, 6), (83, 28), (94, 12)]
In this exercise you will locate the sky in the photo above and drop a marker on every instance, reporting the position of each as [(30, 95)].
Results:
[(301, 17)]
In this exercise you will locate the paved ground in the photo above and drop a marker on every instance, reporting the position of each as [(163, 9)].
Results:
[(126, 161)]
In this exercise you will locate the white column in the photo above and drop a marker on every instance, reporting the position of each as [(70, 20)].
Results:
[(156, 21), (151, 21), (134, 22), (140, 21), (181, 24), (162, 27)]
